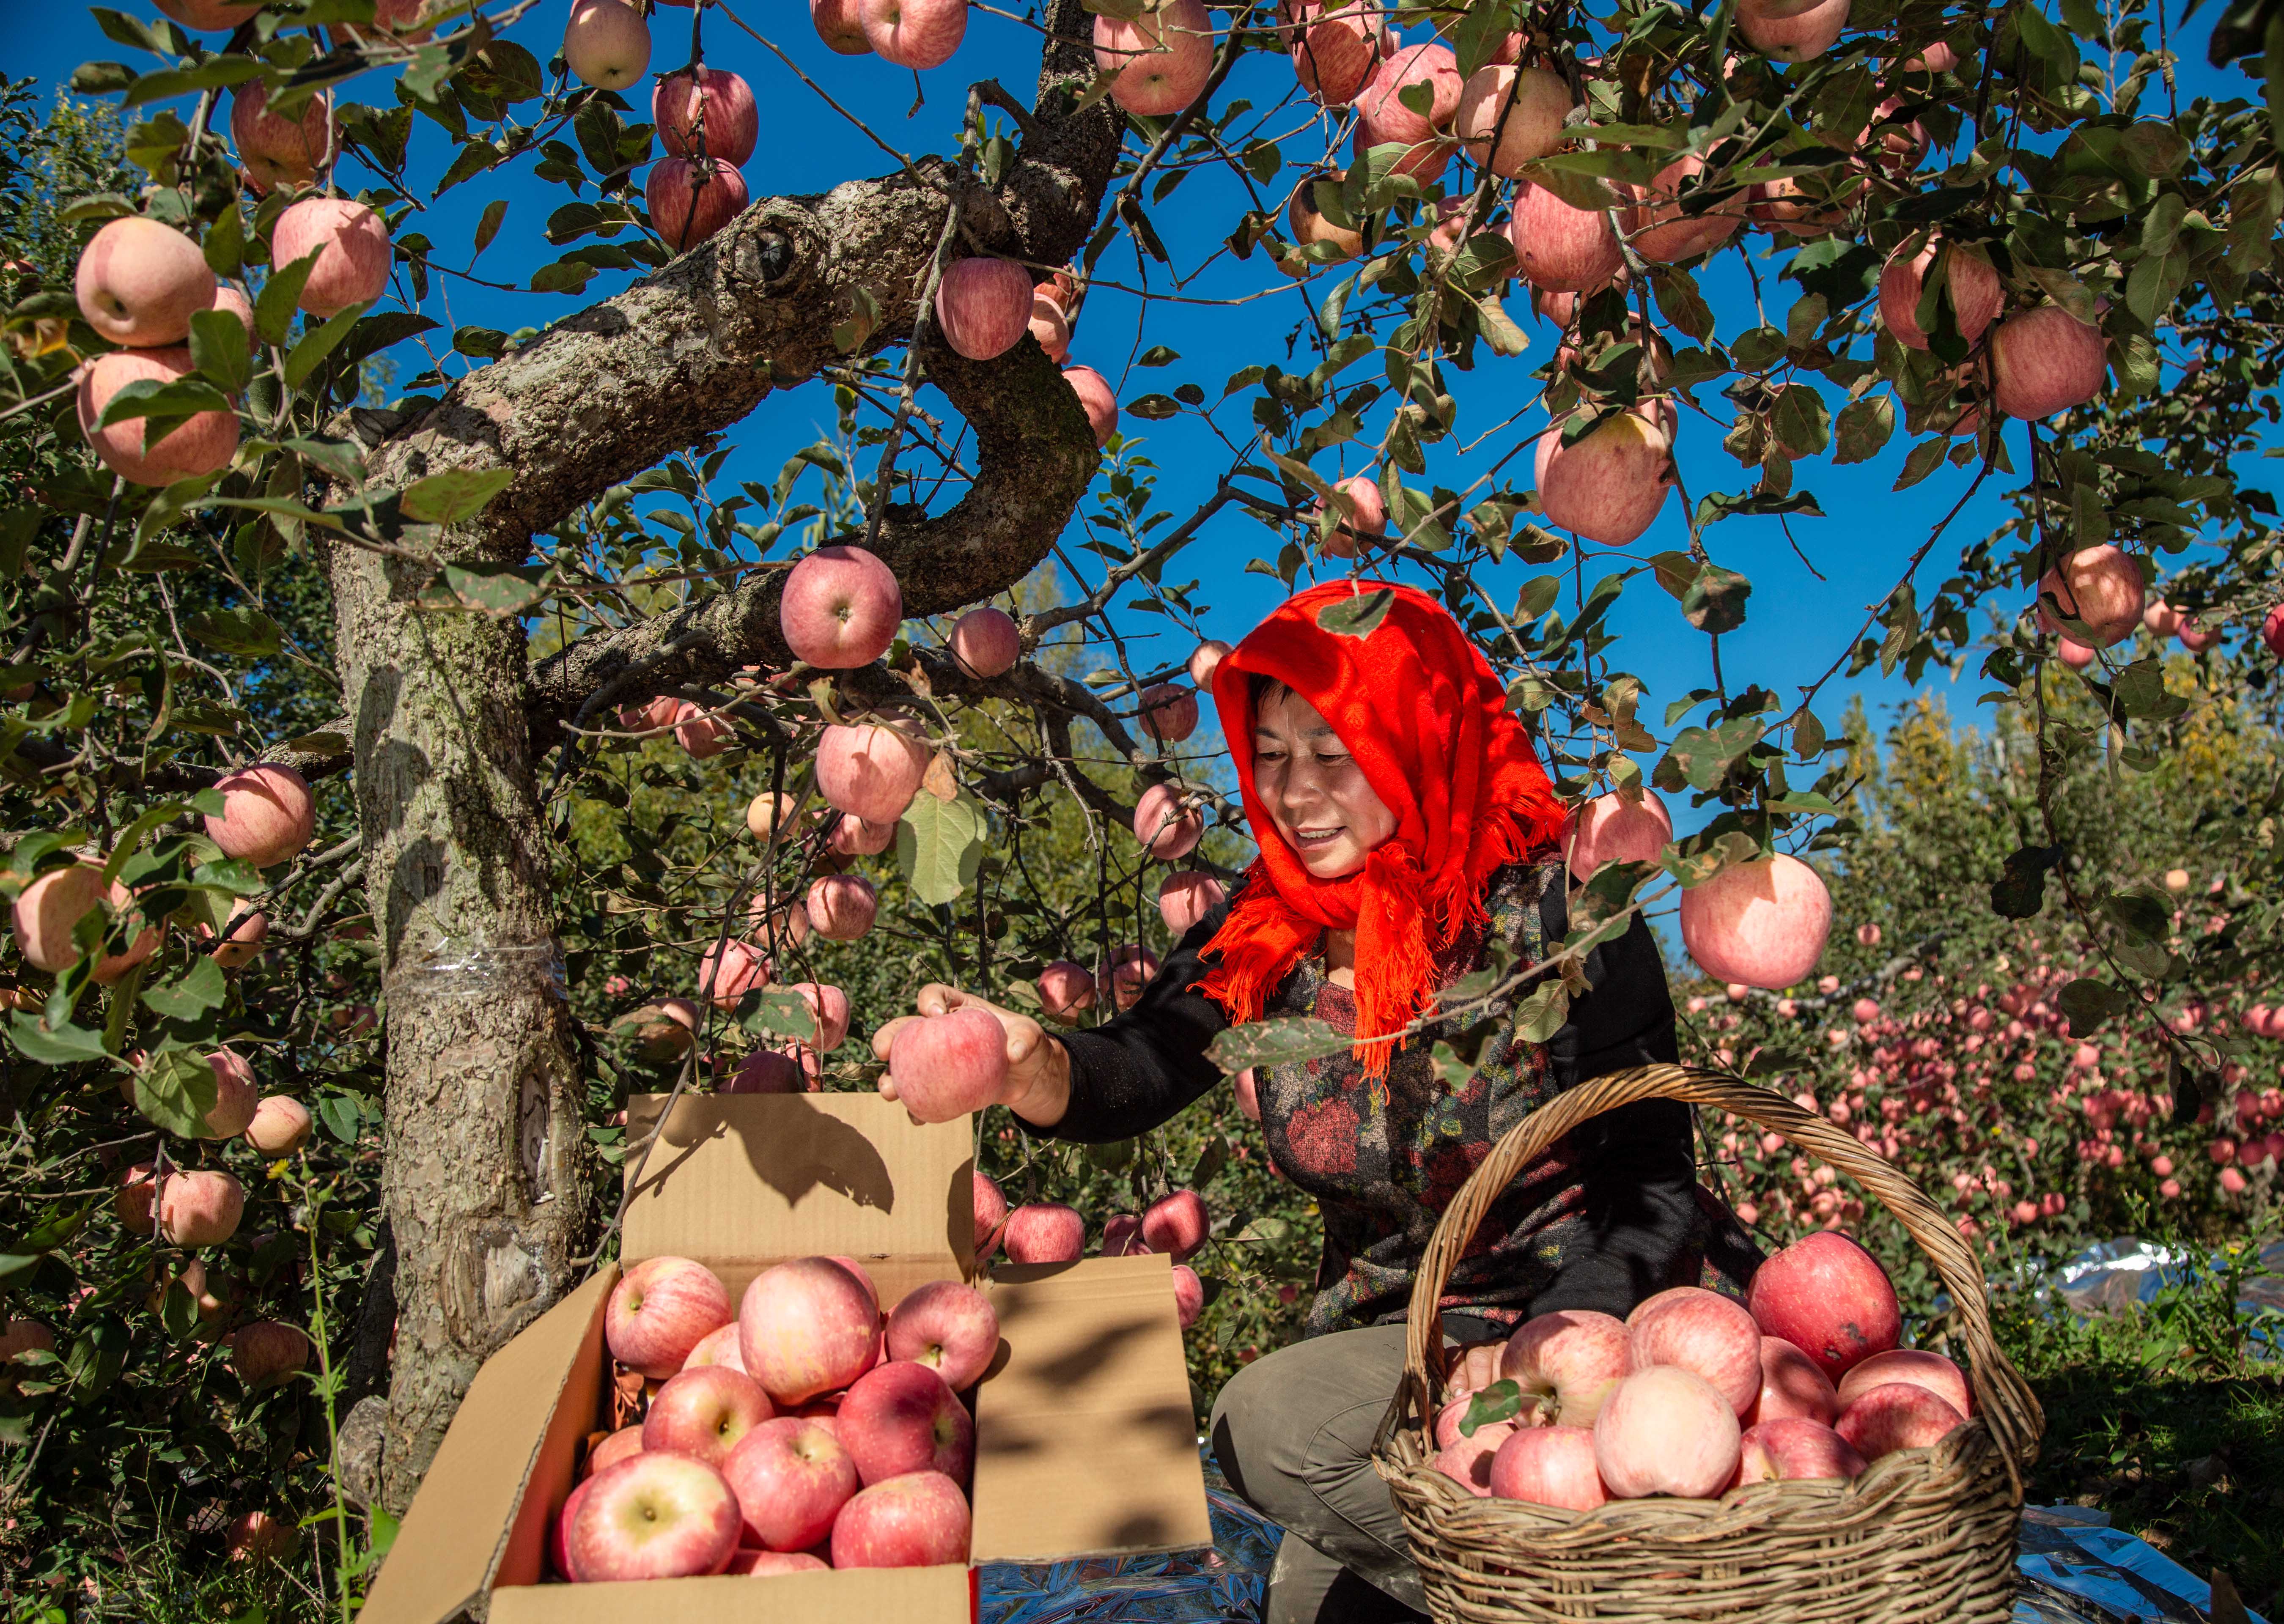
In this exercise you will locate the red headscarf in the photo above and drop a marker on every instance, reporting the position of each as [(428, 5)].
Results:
[(1426, 722)]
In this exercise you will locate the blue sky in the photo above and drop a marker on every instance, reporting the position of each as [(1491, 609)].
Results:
[(1799, 624)]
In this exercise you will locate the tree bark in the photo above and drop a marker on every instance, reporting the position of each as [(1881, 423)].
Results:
[(486, 1183)]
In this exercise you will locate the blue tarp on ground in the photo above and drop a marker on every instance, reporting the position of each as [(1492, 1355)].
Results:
[(2076, 1569)]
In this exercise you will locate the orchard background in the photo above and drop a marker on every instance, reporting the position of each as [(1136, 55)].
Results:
[(474, 529)]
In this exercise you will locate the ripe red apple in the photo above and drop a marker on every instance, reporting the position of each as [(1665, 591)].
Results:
[(986, 642), (2044, 361), (691, 199), (1792, 30), (1386, 117), (840, 25), (1794, 1447), (1046, 1232), (900, 1417), (200, 1207), (209, 15), (241, 941), (728, 972), (1122, 1236), (660, 1308), (1248, 1094), (711, 106), (236, 1096), (52, 907), (1177, 1225), (267, 815), (915, 34), (257, 1536), (267, 1353), (1335, 50), (950, 1064), (2077, 656), (1829, 1298), (983, 306), (1096, 396), (1185, 899), (1065, 989), (1897, 1415), (140, 282), (607, 44), (1793, 1387), (1189, 1295), (1567, 1362), (807, 1327), (1051, 326), (2272, 633), (1165, 827), (1974, 287), (719, 1347), (1762, 923), (1610, 484), (661, 1031), (1468, 1461), (841, 907), (1549, 1466), (1311, 226), (396, 22), (702, 1413), (197, 445), (948, 1328), (1664, 231), (1131, 968), (701, 734), (766, 815), (1162, 58), (622, 1445), (1205, 659), (828, 1007), (1168, 712), (280, 151), (352, 249), (990, 1215), (279, 1126), (856, 836), (1703, 1332), (791, 1476), (1666, 1431), (1367, 517), (1524, 107), (655, 1516), (870, 770), (1612, 829), (558, 1533), (919, 1519), (841, 609), (2100, 586), (1916, 1366), (768, 1564), (1560, 248)]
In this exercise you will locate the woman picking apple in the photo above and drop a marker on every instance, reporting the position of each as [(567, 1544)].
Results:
[(1403, 821)]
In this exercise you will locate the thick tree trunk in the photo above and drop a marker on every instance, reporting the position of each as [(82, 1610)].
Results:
[(484, 1178)]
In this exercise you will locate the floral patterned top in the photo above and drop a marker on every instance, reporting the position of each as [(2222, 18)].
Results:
[(1609, 1216)]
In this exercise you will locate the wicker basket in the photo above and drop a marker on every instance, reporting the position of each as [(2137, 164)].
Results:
[(1928, 1534)]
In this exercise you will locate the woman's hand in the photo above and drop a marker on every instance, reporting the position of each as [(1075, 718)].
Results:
[(1038, 1068)]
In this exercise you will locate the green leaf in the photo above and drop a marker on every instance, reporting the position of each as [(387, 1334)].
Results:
[(447, 498), (1502, 1400), (1543, 1010), (940, 846), (504, 594), (1210, 1162), (1498, 328), (2143, 911), (781, 1013), (341, 1115), (307, 356), (176, 1091), (281, 296), (1356, 616), (2021, 891), (200, 988), (1864, 428), (1681, 303), (1715, 601), (1925, 458), (165, 398), (1285, 1041), (46, 1045), (218, 349), (233, 631), (2087, 1003), (487, 228)]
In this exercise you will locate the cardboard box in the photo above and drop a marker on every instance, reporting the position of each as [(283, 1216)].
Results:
[(1085, 1441)]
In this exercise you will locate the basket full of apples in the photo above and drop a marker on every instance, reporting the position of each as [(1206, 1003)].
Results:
[(1773, 1460)]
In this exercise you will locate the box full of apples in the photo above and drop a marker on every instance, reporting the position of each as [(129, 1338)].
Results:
[(798, 1375), (1780, 1457)]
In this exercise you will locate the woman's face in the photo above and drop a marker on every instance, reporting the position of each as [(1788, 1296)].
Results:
[(1314, 789)]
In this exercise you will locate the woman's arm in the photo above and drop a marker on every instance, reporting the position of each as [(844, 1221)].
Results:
[(1640, 1162)]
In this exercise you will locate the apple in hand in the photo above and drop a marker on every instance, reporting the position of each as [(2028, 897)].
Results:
[(703, 1412), (947, 1065), (653, 1516), (792, 1476), (902, 1417), (948, 1327), (662, 1309)]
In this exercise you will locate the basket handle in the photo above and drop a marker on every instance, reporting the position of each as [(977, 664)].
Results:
[(2001, 1396)]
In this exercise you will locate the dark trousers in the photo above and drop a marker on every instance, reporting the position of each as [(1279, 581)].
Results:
[(1292, 1432)]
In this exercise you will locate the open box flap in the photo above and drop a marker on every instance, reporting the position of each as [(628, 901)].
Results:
[(817, 1173), (1085, 1440), (464, 1516)]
